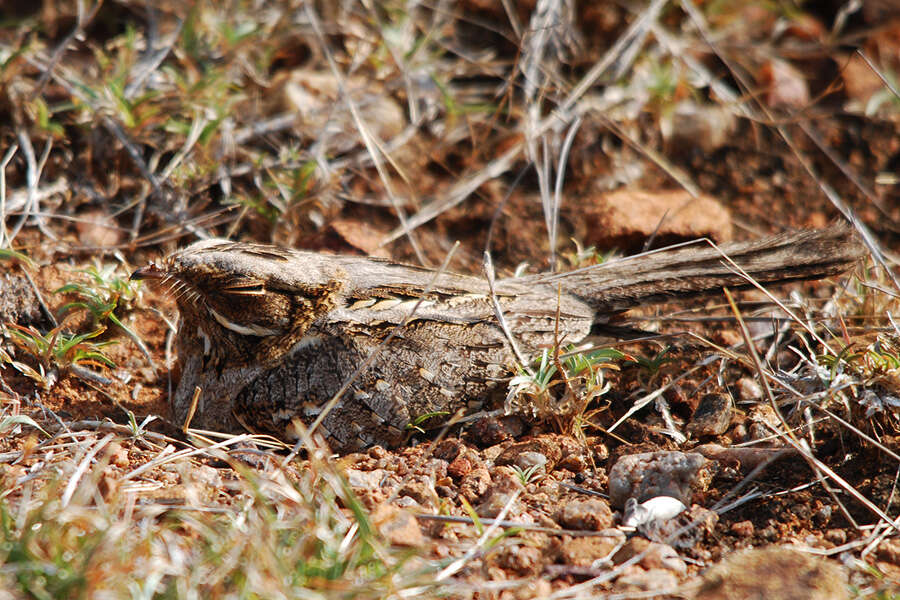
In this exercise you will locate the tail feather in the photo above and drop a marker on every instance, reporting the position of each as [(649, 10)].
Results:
[(659, 277)]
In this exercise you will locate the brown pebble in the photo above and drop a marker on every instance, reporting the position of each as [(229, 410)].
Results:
[(837, 537), (459, 468), (632, 548), (536, 588), (742, 528), (589, 515), (641, 580), (889, 551), (378, 452), (524, 560), (475, 484), (398, 526), (663, 556), (118, 455), (448, 449), (749, 389), (546, 445), (490, 431), (96, 228), (712, 416)]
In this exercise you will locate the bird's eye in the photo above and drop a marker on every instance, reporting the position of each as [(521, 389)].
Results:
[(244, 288), (247, 307)]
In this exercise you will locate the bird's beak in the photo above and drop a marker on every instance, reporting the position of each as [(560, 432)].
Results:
[(151, 271)]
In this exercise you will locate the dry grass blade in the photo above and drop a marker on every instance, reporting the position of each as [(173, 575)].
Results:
[(283, 536), (455, 566), (677, 174), (5, 240), (808, 401), (372, 145), (887, 82), (83, 466), (829, 191), (460, 191), (648, 398), (488, 266), (33, 173)]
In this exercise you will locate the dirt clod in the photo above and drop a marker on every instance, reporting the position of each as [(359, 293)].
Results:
[(773, 573), (584, 551), (585, 515)]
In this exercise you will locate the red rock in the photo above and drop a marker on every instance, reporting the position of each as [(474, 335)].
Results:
[(459, 468), (625, 219), (742, 528), (475, 484), (585, 515), (398, 526)]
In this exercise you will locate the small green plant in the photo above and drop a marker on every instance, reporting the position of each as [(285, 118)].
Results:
[(50, 569), (138, 429), (585, 257), (589, 369), (874, 374), (10, 254), (54, 351), (539, 381), (416, 424), (662, 82), (263, 207), (44, 117), (582, 375), (880, 358), (578, 363), (528, 474), (834, 362), (104, 294), (470, 510), (651, 365), (506, 534)]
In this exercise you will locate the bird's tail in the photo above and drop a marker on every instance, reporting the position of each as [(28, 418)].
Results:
[(703, 269)]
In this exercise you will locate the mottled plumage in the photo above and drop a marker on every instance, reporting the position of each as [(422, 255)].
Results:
[(270, 334)]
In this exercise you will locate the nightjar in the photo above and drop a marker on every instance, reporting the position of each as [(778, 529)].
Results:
[(270, 334)]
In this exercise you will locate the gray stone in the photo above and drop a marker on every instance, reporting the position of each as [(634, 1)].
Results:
[(531, 460), (643, 476)]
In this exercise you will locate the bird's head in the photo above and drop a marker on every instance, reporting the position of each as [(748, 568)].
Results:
[(250, 300)]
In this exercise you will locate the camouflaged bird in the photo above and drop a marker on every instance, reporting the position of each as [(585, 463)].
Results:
[(271, 334)]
